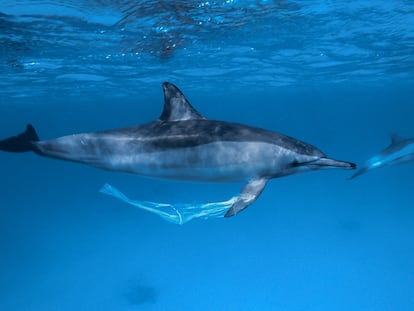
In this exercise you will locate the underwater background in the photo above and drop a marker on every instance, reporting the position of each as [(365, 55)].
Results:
[(336, 74)]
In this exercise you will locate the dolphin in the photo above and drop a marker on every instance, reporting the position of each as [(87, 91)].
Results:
[(183, 144), (400, 150)]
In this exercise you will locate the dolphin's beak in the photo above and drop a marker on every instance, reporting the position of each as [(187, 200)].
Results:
[(333, 163)]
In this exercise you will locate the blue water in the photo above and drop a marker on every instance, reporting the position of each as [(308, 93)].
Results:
[(336, 74)]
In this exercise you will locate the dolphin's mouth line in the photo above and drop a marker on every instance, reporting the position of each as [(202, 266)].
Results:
[(327, 162)]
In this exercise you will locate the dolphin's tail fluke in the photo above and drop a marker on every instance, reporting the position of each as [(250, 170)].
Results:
[(22, 142), (359, 172)]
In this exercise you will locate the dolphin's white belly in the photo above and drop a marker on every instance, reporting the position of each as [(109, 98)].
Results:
[(218, 161)]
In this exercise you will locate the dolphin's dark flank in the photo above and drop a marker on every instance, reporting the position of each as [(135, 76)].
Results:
[(183, 144)]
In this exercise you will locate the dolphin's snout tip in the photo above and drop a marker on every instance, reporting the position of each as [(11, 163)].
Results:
[(352, 166)]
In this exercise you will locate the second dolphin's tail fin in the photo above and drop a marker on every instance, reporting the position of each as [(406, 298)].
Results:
[(22, 142), (359, 172)]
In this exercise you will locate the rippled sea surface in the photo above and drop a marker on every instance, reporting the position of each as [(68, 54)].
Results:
[(336, 74), (53, 45)]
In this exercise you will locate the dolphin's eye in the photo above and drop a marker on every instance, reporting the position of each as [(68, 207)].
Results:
[(294, 163)]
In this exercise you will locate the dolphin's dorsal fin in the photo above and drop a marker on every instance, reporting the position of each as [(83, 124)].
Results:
[(176, 106), (395, 138)]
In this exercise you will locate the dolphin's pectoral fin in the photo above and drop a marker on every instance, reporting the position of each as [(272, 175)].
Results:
[(248, 195)]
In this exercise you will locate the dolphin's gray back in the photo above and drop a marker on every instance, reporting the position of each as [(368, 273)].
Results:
[(399, 146), (161, 135)]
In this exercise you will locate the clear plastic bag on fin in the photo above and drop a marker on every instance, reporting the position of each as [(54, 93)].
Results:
[(178, 213)]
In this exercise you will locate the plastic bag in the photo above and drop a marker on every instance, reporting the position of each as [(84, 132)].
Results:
[(178, 213)]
